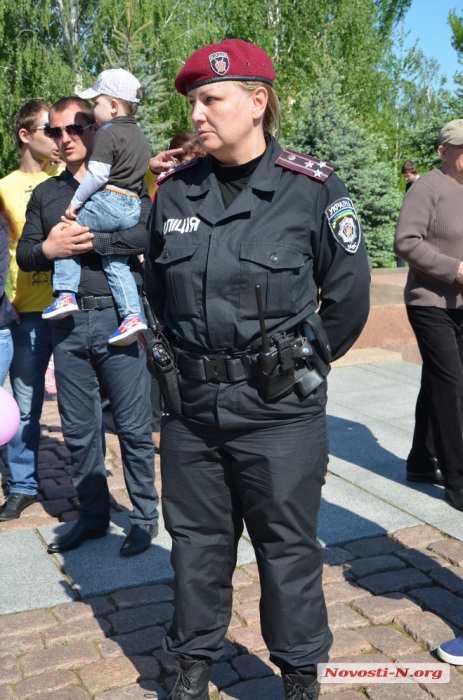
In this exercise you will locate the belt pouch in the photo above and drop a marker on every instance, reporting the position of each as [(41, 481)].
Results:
[(281, 380), (161, 364)]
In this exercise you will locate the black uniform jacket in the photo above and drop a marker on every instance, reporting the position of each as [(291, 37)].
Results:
[(47, 204), (203, 262)]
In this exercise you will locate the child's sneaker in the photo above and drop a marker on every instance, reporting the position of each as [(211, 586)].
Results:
[(63, 306), (126, 333)]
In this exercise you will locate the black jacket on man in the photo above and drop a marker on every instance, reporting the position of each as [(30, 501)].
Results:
[(47, 204)]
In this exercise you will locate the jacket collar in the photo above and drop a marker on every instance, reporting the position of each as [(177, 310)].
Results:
[(205, 187)]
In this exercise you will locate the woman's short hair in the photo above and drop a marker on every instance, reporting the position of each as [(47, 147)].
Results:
[(271, 120)]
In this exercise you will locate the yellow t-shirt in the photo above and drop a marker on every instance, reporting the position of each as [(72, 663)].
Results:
[(150, 180), (32, 291)]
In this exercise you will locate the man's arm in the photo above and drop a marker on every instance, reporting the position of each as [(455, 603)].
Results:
[(416, 217), (130, 241), (36, 250)]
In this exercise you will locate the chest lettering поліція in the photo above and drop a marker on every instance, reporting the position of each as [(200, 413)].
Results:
[(181, 225)]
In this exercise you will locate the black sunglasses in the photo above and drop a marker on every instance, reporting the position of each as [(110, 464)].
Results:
[(73, 130)]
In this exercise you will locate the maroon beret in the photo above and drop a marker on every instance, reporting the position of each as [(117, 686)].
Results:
[(232, 59)]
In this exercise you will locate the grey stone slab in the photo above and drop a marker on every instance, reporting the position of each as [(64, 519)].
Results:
[(452, 526), (246, 554), (408, 372), (369, 443), (345, 380), (349, 513), (387, 482), (97, 567), (381, 402), (28, 577)]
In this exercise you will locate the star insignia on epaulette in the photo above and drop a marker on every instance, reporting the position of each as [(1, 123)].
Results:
[(299, 162)]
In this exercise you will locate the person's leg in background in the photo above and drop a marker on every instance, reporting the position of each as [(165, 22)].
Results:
[(32, 351), (79, 405), (126, 383), (6, 352), (439, 336)]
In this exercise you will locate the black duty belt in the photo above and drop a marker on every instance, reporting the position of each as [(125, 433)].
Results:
[(223, 368), (91, 303)]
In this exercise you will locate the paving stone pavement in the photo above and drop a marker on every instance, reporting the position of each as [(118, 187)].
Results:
[(393, 580)]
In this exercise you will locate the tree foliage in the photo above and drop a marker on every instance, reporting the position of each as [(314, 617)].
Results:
[(330, 129), (49, 48)]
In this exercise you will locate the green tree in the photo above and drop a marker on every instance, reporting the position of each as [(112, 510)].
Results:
[(331, 130), (134, 55)]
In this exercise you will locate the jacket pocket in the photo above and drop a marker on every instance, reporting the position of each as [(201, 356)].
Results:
[(278, 271), (177, 262)]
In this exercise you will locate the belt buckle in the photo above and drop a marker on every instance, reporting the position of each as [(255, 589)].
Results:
[(215, 367)]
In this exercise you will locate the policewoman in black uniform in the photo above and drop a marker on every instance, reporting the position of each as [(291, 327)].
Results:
[(245, 438)]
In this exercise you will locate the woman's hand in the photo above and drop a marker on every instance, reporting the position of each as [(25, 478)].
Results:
[(65, 240)]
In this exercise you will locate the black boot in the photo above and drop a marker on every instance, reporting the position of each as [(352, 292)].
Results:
[(192, 680), (14, 505), (301, 687)]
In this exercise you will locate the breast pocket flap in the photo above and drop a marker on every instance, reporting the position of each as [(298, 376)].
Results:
[(272, 256), (175, 253)]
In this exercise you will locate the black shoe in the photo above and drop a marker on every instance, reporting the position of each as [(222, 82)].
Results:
[(192, 680), (139, 539), (74, 538), (455, 497), (301, 687), (432, 475), (14, 505)]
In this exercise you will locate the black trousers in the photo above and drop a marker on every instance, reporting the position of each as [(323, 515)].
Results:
[(271, 478), (439, 408), (83, 359)]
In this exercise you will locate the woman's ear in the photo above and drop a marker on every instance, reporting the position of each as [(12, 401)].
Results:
[(260, 99)]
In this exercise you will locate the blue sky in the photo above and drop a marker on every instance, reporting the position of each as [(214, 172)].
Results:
[(427, 21)]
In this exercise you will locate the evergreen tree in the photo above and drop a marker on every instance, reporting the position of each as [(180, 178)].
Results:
[(134, 55), (331, 130)]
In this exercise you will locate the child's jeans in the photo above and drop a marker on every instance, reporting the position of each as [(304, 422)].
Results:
[(105, 211)]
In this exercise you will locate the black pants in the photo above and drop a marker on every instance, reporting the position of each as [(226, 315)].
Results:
[(439, 408), (82, 359), (271, 478)]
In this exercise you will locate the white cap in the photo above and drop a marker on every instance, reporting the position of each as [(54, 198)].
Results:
[(115, 82)]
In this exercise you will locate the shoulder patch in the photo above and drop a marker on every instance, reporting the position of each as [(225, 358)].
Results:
[(308, 165), (344, 224), (177, 169)]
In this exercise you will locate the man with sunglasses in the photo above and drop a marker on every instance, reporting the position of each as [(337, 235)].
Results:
[(31, 292), (82, 355)]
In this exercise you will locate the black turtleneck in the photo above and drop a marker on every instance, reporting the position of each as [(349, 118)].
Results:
[(233, 179)]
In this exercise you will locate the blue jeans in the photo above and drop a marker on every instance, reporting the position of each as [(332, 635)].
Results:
[(32, 350), (105, 211), (6, 352)]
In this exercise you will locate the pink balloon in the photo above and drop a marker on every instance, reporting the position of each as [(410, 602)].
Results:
[(9, 416)]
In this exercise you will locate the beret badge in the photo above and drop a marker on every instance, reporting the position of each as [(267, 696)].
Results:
[(220, 62)]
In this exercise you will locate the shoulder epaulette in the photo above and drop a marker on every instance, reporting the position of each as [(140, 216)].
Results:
[(177, 169), (308, 165)]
